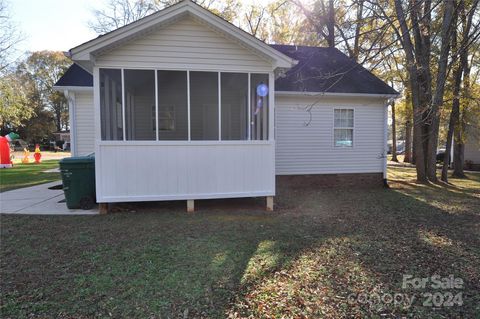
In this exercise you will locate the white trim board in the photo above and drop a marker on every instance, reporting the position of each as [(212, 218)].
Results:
[(146, 198), (279, 93), (320, 94), (73, 88)]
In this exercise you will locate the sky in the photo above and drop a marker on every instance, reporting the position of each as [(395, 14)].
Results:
[(52, 24)]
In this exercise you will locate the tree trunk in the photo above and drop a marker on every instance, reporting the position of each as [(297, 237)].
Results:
[(416, 93), (454, 118), (394, 135), (462, 68), (420, 19), (414, 157), (458, 158), (331, 24), (437, 101), (408, 142), (459, 149), (418, 148), (58, 121), (358, 26)]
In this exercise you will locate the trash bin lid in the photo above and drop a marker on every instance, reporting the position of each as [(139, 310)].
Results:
[(78, 160)]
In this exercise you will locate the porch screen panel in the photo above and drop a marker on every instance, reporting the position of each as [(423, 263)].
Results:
[(234, 95), (111, 104), (140, 119), (172, 105), (259, 106), (204, 106)]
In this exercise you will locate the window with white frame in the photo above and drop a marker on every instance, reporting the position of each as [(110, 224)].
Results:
[(343, 127), (164, 105)]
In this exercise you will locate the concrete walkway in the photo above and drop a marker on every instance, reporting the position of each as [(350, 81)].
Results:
[(38, 200)]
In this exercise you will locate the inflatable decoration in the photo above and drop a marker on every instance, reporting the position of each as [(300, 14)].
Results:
[(26, 154), (262, 92), (5, 160), (37, 156)]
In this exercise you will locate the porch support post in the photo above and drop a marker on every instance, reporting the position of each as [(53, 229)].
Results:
[(190, 206), (269, 203), (249, 106), (123, 106), (188, 106), (103, 208), (385, 141)]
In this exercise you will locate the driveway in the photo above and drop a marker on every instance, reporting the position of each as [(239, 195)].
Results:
[(38, 200)]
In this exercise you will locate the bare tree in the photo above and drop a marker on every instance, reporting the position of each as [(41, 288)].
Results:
[(321, 18), (254, 18), (446, 34), (408, 47), (9, 35), (426, 97), (261, 20), (118, 13), (462, 50), (122, 12)]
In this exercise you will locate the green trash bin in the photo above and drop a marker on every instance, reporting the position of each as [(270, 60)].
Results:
[(78, 179)]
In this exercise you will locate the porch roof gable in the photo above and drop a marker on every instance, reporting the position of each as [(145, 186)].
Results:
[(85, 53)]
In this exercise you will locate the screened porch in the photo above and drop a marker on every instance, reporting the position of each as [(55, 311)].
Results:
[(183, 134)]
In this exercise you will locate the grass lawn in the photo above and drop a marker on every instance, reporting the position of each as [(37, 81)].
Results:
[(23, 175), (318, 255)]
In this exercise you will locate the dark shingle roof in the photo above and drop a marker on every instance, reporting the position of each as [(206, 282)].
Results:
[(318, 70), (75, 76), (327, 70)]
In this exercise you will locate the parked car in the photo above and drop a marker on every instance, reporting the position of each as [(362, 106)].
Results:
[(441, 156), (400, 147)]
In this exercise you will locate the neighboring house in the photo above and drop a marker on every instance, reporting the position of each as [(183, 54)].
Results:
[(472, 149), (182, 105), (62, 140), (62, 136)]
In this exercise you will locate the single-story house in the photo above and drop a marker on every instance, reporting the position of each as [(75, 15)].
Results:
[(183, 105)]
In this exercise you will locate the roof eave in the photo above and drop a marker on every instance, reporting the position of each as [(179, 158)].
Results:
[(73, 88), (318, 94)]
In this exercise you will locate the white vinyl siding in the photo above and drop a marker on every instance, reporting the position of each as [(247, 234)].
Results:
[(304, 140), (185, 44), (184, 170), (84, 120)]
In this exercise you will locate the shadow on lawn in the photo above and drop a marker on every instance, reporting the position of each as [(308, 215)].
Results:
[(370, 253), (305, 259)]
